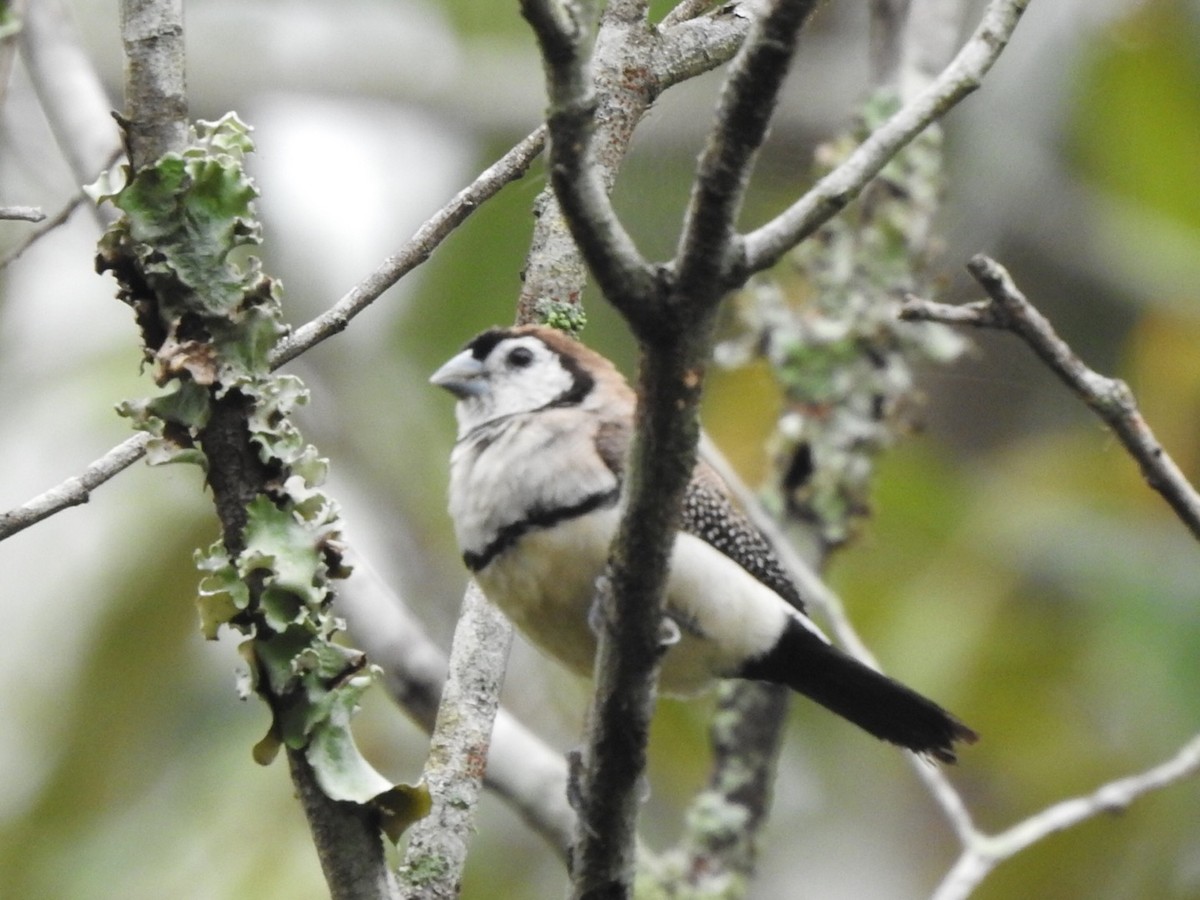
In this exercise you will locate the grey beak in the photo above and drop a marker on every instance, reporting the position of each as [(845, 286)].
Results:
[(463, 376)]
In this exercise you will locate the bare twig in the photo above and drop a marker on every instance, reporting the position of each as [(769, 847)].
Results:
[(42, 230), (55, 221), (764, 246), (511, 166), (75, 490), (743, 114), (22, 213), (982, 853), (458, 752), (670, 312), (1112, 400), (1109, 398), (564, 33)]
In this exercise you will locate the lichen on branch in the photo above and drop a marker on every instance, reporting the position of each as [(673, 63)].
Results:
[(209, 319)]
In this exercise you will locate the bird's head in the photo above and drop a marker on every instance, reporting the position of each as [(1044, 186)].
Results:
[(508, 371)]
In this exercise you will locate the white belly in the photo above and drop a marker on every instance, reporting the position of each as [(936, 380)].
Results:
[(546, 584)]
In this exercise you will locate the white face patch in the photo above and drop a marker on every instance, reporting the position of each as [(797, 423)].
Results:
[(521, 374)]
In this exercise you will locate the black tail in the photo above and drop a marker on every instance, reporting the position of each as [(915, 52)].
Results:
[(872, 701)]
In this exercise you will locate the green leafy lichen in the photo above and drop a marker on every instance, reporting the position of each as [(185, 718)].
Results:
[(209, 319), (568, 317)]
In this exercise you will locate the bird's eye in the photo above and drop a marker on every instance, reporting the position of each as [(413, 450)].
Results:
[(520, 357)]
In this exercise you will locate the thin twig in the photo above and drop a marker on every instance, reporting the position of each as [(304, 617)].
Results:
[(74, 490), (766, 245), (22, 213), (564, 35), (982, 854), (743, 113), (511, 166), (1109, 398), (56, 221), (458, 751)]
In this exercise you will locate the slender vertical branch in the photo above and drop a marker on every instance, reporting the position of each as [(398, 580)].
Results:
[(458, 752), (236, 448), (672, 319), (155, 85), (743, 114), (564, 33)]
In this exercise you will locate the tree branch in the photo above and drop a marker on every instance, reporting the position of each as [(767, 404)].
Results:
[(743, 113), (689, 47), (1109, 398), (458, 753), (22, 213), (155, 87), (982, 853), (634, 65), (248, 477), (76, 490), (528, 774), (673, 326), (766, 245), (564, 33), (511, 166)]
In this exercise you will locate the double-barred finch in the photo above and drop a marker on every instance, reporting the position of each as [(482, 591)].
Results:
[(536, 477)]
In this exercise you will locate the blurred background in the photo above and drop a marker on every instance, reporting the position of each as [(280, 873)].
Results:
[(1016, 567)]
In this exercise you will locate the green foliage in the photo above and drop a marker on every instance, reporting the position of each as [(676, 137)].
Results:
[(209, 319)]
